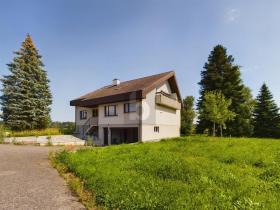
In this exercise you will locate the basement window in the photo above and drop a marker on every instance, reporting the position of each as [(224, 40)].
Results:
[(156, 129)]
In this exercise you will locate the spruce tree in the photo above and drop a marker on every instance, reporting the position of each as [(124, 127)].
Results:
[(221, 74), (26, 96), (187, 116), (266, 115)]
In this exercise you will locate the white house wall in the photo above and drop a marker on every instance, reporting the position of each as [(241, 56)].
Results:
[(168, 120), (77, 115), (121, 118), (165, 87)]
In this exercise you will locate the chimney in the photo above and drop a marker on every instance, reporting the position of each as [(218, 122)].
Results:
[(116, 82)]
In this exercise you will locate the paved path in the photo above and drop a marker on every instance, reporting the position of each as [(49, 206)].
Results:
[(42, 140), (27, 181)]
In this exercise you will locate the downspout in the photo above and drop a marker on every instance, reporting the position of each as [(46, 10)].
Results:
[(140, 121)]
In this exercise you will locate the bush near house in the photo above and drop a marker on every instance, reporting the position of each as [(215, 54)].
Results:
[(183, 173)]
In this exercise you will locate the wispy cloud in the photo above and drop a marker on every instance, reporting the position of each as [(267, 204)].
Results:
[(232, 15), (246, 69)]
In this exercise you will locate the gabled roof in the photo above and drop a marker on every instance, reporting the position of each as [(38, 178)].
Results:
[(128, 90)]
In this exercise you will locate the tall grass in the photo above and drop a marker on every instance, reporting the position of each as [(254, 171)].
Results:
[(184, 173), (2, 134), (43, 132)]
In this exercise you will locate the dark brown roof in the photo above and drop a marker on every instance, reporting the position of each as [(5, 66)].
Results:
[(128, 90)]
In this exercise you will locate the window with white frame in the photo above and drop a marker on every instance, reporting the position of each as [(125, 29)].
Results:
[(129, 107), (110, 110)]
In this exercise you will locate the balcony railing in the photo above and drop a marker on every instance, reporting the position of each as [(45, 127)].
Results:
[(83, 129), (167, 100)]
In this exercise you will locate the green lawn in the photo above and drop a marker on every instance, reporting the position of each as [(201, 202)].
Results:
[(184, 173)]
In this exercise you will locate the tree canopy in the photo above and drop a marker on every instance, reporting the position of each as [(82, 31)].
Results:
[(187, 116), (221, 74), (26, 95), (215, 108), (266, 115)]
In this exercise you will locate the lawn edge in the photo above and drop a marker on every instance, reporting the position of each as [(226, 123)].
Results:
[(75, 184)]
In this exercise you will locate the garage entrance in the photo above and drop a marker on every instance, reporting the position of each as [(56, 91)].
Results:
[(124, 135)]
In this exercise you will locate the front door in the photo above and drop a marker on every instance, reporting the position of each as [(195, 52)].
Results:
[(105, 136)]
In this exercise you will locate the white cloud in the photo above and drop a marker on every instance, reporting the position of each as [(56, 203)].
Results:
[(249, 68), (232, 15)]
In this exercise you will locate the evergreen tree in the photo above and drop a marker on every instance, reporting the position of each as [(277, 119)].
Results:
[(266, 115), (26, 96), (221, 74), (187, 116)]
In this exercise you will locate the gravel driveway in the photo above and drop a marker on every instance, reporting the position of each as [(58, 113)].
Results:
[(27, 181)]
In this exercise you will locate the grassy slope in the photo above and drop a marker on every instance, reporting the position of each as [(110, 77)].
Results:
[(185, 173)]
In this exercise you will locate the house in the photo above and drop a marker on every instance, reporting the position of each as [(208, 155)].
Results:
[(142, 109)]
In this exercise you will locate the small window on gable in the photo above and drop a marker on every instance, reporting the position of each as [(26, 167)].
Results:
[(156, 129), (83, 115), (129, 107)]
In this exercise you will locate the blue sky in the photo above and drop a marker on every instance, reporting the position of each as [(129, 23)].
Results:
[(87, 43)]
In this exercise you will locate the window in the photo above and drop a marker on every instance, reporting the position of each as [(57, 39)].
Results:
[(110, 110), (129, 107), (156, 129), (83, 115), (95, 113)]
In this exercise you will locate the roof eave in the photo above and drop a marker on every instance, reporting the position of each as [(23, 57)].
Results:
[(135, 95)]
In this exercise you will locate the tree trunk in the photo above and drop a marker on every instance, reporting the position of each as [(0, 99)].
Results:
[(214, 129), (221, 127)]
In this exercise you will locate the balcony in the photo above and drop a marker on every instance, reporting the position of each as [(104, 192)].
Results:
[(167, 100)]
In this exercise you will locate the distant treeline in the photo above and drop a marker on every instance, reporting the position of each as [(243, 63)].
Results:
[(64, 127)]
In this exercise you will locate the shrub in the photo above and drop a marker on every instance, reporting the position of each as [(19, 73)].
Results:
[(89, 141), (49, 141), (43, 132), (67, 128), (2, 134)]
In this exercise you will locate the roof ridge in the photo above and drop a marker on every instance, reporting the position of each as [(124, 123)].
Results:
[(167, 72), (129, 85)]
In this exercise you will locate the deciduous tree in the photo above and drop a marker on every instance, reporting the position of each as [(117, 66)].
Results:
[(215, 108)]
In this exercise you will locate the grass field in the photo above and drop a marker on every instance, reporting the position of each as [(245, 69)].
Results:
[(184, 173)]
